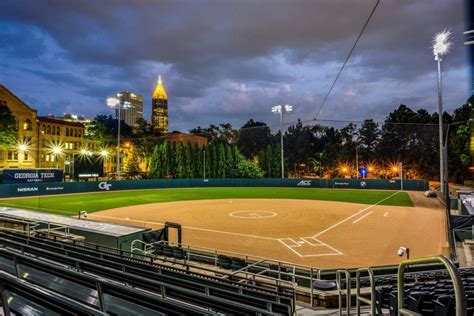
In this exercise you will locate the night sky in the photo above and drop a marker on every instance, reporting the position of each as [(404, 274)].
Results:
[(228, 60)]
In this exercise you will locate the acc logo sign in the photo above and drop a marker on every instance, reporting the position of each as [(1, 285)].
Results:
[(104, 186), (304, 183), (363, 184)]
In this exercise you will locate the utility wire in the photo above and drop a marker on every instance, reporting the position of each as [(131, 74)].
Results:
[(318, 112)]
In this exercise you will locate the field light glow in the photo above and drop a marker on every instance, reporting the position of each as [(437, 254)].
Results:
[(23, 147), (441, 44), (57, 150), (104, 153)]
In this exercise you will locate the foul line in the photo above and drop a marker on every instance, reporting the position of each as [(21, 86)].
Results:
[(354, 215), (362, 217), (188, 227)]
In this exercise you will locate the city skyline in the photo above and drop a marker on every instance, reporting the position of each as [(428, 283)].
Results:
[(212, 77)]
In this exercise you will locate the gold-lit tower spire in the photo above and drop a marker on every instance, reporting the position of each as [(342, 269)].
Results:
[(159, 116), (160, 92)]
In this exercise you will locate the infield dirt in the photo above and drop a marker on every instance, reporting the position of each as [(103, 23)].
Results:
[(315, 233)]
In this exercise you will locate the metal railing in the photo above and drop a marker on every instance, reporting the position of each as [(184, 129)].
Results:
[(453, 273), (285, 273), (340, 291), (359, 298)]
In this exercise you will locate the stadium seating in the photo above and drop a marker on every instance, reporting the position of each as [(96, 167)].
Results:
[(427, 293), (112, 283), (57, 278)]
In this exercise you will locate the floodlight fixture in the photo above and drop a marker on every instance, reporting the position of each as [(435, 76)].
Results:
[(441, 44), (279, 109), (113, 102)]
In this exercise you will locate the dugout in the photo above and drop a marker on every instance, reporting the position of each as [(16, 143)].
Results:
[(99, 233)]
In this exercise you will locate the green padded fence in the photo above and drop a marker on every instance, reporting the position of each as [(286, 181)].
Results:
[(27, 189)]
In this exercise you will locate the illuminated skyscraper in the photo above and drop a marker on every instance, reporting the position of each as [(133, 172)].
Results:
[(159, 107), (135, 112)]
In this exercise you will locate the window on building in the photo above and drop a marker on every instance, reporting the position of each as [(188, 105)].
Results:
[(1, 155), (43, 129), (13, 155), (58, 131), (53, 157), (26, 156), (27, 126), (48, 130), (75, 133), (42, 157), (47, 157), (67, 131)]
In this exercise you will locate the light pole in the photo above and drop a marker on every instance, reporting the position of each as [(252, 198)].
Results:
[(115, 103), (57, 150), (441, 45), (204, 164), (401, 176), (357, 162), (279, 109)]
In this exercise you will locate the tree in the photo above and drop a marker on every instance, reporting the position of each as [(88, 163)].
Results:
[(8, 128), (132, 167), (221, 168), (223, 133), (254, 136), (145, 141), (348, 142), (368, 138), (248, 169), (299, 144)]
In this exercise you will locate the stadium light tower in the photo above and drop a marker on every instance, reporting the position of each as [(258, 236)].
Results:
[(115, 103), (441, 46), (280, 109)]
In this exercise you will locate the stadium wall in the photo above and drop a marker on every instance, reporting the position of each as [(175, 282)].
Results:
[(33, 189)]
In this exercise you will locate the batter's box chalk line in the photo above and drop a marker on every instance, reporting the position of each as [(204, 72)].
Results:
[(320, 248)]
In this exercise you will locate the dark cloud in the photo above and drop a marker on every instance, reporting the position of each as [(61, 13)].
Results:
[(228, 60)]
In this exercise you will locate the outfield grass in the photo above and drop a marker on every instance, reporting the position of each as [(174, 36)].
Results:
[(93, 202)]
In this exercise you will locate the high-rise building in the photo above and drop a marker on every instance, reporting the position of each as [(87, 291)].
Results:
[(159, 107), (135, 112)]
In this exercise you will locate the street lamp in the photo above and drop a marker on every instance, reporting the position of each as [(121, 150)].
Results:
[(23, 147), (119, 105), (57, 150), (441, 46), (279, 109)]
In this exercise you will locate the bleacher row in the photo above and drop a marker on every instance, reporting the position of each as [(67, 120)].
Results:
[(43, 276), (427, 293)]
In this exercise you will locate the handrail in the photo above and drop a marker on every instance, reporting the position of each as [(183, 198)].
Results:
[(348, 291), (360, 298), (453, 273)]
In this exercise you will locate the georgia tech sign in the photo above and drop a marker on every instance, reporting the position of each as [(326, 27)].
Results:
[(304, 183), (105, 186)]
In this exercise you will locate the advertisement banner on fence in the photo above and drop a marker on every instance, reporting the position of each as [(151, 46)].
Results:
[(32, 175), (29, 189)]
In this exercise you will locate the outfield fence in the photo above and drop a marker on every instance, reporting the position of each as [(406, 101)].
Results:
[(51, 188)]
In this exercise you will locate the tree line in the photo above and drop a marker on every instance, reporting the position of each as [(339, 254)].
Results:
[(405, 135), (216, 160)]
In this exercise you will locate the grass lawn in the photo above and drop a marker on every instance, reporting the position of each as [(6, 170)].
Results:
[(93, 202)]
